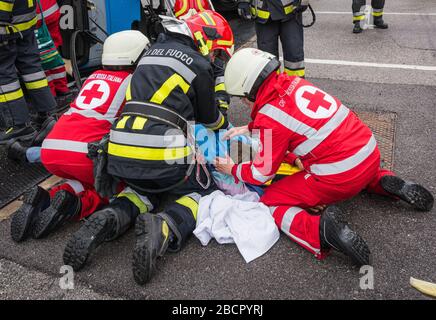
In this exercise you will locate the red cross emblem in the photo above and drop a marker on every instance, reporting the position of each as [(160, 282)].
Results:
[(315, 103), (94, 94), (316, 100)]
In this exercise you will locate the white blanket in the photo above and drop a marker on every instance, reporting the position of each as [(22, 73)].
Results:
[(239, 219)]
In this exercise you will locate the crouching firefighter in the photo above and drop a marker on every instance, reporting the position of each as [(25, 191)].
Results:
[(151, 150), (64, 151), (338, 152)]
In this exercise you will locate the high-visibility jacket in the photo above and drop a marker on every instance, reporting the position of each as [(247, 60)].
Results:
[(89, 118), (275, 10), (172, 74), (296, 119), (16, 16)]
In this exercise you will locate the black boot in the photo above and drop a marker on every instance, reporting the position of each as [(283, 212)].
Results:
[(357, 28), (338, 235), (16, 151), (152, 239), (63, 207), (416, 195), (35, 200), (22, 132), (380, 24), (104, 225), (43, 130)]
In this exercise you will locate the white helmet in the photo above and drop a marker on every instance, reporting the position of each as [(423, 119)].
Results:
[(174, 25), (247, 70), (124, 48)]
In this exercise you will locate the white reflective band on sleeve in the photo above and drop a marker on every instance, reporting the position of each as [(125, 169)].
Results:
[(23, 18), (89, 114), (346, 164), (239, 171), (119, 99), (33, 76), (272, 210), (288, 121), (219, 80), (313, 141), (146, 140), (173, 63), (288, 218), (259, 176), (76, 186), (47, 13), (65, 145)]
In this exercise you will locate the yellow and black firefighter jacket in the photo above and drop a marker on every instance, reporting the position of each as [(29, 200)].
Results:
[(16, 16), (276, 10), (174, 75)]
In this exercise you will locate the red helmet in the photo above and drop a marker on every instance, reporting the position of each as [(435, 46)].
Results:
[(211, 32), (182, 7)]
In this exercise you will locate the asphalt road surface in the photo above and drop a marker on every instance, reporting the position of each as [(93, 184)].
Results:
[(397, 73)]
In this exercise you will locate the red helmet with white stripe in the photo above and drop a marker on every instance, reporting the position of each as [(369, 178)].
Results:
[(211, 32), (182, 7)]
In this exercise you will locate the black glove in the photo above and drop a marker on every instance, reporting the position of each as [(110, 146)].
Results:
[(244, 10), (104, 184), (301, 9)]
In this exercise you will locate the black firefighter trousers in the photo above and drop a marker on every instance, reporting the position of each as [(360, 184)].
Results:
[(21, 56), (291, 35)]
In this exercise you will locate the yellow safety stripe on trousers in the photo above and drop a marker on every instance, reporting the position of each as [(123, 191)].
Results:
[(298, 73), (135, 200), (168, 86), (358, 18), (377, 14), (36, 84), (6, 6), (183, 9), (151, 154), (11, 96), (189, 203), (285, 169), (23, 26), (260, 13), (220, 87), (122, 123)]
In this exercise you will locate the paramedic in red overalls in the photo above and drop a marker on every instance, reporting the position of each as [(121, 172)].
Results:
[(64, 151), (303, 125)]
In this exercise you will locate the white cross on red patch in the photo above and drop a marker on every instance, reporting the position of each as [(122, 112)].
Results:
[(315, 103)]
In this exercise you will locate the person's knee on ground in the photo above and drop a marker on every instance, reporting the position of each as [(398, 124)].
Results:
[(165, 231), (106, 224)]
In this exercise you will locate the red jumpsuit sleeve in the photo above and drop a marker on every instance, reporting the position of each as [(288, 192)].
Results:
[(274, 141)]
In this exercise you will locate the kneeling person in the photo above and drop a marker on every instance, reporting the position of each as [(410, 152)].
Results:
[(64, 151)]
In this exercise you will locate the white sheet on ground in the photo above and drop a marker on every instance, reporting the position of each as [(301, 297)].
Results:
[(239, 219)]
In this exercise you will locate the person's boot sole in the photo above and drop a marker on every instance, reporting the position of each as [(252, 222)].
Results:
[(348, 242), (51, 218), (414, 194), (21, 220), (142, 265), (82, 244)]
